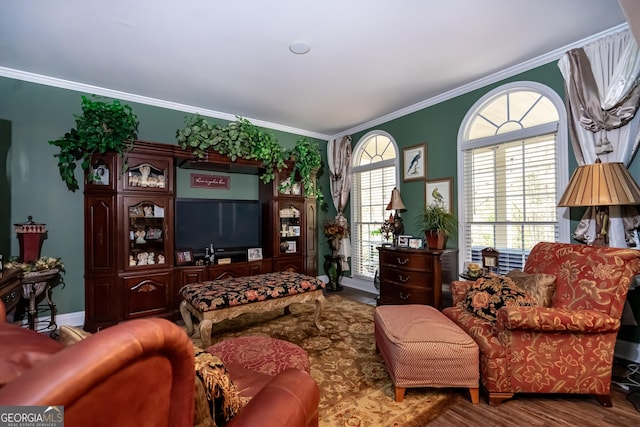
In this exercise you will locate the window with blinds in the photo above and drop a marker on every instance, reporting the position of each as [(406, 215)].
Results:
[(510, 198), (374, 175), (509, 175)]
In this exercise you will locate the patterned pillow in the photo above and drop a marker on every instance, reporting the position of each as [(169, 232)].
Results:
[(221, 394), (540, 286), (490, 293)]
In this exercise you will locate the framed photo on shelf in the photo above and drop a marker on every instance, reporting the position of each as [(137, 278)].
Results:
[(414, 161), (254, 254), (184, 257), (291, 248), (438, 192), (403, 241), (415, 243)]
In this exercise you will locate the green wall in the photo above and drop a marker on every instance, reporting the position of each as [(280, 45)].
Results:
[(438, 126), (37, 114)]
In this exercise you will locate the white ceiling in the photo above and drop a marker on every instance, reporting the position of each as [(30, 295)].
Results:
[(369, 59)]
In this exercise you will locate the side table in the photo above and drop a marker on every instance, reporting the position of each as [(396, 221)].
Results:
[(34, 285), (331, 260)]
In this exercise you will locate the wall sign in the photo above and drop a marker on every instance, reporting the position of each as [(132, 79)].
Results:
[(210, 181)]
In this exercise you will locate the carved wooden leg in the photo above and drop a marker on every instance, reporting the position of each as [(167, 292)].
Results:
[(400, 394), (186, 317), (205, 332), (319, 307), (497, 398), (475, 395), (605, 400)]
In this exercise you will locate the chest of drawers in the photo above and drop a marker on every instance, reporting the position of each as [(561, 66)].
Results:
[(415, 276)]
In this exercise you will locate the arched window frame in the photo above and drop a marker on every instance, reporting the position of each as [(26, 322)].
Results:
[(562, 144), (355, 169)]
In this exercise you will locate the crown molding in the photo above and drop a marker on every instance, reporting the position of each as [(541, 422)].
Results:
[(125, 96), (480, 83)]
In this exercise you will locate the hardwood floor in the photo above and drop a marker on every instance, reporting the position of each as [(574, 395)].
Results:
[(532, 409)]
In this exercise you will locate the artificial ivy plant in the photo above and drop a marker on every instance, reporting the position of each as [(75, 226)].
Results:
[(242, 139), (102, 127)]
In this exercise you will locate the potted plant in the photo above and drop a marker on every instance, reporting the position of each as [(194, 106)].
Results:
[(102, 127), (437, 224), (307, 160)]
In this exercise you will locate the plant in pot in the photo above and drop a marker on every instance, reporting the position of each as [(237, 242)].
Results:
[(307, 159), (437, 224), (102, 127)]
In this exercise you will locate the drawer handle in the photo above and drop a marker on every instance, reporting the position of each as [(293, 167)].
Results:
[(402, 261), (403, 279), (404, 297)]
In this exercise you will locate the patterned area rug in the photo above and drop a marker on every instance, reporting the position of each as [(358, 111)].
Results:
[(355, 388)]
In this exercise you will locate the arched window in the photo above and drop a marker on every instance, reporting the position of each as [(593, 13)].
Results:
[(512, 169), (374, 174)]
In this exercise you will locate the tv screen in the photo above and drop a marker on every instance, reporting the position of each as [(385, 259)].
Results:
[(227, 224)]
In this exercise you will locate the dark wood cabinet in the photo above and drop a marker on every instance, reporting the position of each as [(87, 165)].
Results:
[(129, 233), (415, 276), (289, 225), (128, 237), (10, 288)]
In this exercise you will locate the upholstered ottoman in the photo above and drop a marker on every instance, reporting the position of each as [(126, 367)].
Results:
[(421, 347), (263, 354)]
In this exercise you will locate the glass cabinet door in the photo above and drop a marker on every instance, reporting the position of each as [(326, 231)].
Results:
[(290, 231), (147, 228)]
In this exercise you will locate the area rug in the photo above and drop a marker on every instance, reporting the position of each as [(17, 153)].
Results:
[(355, 388)]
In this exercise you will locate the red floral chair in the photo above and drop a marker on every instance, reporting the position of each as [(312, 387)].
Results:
[(566, 347)]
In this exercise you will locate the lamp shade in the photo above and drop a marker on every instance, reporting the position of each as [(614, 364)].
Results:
[(396, 200), (601, 184)]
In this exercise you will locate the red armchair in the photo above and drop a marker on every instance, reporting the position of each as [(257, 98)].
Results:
[(567, 347)]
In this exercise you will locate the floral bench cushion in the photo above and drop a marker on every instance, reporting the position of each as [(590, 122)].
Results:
[(224, 293)]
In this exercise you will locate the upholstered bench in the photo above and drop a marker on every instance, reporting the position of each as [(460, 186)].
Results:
[(421, 347), (217, 300)]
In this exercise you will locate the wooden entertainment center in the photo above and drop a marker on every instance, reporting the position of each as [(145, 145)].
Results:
[(130, 265)]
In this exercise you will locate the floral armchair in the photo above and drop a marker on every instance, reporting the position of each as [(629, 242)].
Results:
[(565, 345)]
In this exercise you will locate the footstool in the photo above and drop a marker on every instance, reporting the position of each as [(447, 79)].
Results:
[(263, 354), (422, 347)]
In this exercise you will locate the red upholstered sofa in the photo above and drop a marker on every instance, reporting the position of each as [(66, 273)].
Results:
[(566, 347)]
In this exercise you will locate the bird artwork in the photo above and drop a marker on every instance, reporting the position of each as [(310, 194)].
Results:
[(413, 166), (439, 199)]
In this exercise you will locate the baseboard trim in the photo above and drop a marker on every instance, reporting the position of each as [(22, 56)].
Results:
[(68, 319)]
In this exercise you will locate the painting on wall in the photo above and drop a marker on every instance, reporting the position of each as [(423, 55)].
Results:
[(438, 192), (414, 162)]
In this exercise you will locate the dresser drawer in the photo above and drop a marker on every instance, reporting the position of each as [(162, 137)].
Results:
[(405, 294), (401, 276), (407, 260)]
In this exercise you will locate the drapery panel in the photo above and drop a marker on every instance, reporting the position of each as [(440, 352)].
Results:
[(602, 97), (339, 159)]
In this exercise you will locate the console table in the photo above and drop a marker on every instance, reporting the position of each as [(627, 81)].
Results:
[(415, 276)]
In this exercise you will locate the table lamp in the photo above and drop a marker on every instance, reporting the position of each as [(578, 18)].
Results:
[(396, 204), (601, 185)]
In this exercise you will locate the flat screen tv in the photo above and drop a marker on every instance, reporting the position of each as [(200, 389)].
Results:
[(230, 225)]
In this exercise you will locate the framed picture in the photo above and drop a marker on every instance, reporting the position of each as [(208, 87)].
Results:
[(291, 248), (254, 254), (415, 243), (184, 257), (414, 162), (403, 241), (438, 192)]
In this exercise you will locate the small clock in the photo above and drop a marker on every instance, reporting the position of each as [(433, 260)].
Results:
[(490, 258)]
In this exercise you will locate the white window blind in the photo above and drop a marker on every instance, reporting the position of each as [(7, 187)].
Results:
[(371, 190), (510, 198)]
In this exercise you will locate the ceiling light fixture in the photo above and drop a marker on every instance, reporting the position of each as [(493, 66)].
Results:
[(299, 47)]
